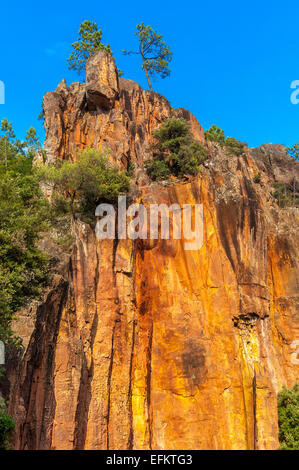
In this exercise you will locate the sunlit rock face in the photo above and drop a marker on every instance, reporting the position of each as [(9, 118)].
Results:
[(143, 344)]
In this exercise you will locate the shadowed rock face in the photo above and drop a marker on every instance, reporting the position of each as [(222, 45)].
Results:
[(144, 345)]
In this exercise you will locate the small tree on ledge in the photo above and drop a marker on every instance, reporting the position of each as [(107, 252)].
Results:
[(154, 52), (89, 42)]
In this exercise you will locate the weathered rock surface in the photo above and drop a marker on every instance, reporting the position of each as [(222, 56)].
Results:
[(144, 345)]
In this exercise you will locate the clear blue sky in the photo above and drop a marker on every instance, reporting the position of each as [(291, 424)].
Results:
[(233, 62)]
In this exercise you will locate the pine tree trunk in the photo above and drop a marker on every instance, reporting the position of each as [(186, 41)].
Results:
[(146, 72), (148, 80)]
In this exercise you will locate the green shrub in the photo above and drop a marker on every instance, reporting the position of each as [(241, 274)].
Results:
[(284, 196), (157, 169), (257, 178), (80, 185), (188, 159), (175, 152), (215, 134), (234, 146), (288, 418), (172, 134), (7, 426), (24, 213)]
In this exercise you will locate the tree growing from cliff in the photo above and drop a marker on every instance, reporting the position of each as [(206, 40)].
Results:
[(294, 151), (79, 186), (288, 418), (234, 146), (155, 53), (89, 42), (175, 151), (215, 134)]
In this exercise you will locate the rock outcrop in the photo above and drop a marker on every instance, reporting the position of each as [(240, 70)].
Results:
[(142, 344)]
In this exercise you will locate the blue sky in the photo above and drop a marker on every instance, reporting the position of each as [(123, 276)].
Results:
[(233, 62)]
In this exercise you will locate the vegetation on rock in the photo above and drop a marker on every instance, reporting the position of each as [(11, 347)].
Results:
[(294, 151), (23, 215), (234, 146), (288, 418), (154, 52), (7, 426), (89, 42), (176, 152), (80, 185), (215, 134), (257, 178), (285, 195)]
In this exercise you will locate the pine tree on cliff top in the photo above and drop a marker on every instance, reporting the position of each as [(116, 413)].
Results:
[(154, 52), (89, 42)]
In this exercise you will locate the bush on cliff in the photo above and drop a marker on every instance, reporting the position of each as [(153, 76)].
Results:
[(7, 426), (288, 418), (215, 134), (175, 152), (284, 195), (234, 146), (23, 215), (79, 186)]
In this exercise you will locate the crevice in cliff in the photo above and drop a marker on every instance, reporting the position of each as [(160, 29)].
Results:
[(255, 429), (131, 433), (35, 431), (84, 395), (109, 384), (148, 382)]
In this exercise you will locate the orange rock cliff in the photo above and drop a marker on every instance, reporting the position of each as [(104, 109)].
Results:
[(143, 344)]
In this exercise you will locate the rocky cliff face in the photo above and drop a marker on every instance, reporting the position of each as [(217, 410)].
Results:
[(144, 345)]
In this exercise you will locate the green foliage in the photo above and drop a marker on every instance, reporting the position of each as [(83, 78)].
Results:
[(79, 186), (157, 169), (284, 196), (288, 418), (215, 134), (234, 146), (9, 145), (32, 140), (7, 136), (7, 130), (188, 159), (176, 152), (89, 42), (294, 151), (23, 214), (154, 52), (130, 169), (257, 178), (7, 426), (172, 134)]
